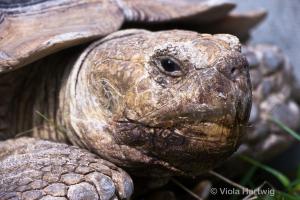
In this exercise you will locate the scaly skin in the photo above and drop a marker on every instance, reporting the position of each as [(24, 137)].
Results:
[(120, 102), (38, 169)]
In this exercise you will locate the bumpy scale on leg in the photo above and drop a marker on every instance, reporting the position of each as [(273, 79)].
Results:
[(272, 82), (38, 169)]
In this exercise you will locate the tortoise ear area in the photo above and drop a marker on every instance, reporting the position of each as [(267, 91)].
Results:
[(108, 97)]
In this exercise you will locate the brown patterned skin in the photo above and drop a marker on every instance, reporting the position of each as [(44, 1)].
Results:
[(119, 101), (144, 107)]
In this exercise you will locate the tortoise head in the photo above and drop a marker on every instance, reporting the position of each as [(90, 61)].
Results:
[(174, 101)]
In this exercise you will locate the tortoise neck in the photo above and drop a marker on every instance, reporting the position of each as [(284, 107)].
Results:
[(46, 111), (36, 106)]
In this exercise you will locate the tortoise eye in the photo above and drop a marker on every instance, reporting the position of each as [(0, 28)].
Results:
[(170, 67)]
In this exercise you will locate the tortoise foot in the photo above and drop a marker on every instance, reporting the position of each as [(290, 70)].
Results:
[(39, 169)]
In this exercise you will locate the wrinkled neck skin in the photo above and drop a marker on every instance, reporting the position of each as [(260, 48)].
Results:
[(32, 97)]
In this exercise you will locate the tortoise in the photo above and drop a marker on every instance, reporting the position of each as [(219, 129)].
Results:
[(81, 100)]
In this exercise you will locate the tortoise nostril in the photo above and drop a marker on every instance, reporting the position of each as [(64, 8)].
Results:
[(233, 70), (232, 66)]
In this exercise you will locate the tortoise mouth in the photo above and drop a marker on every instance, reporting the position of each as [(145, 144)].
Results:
[(192, 114), (181, 149), (207, 131)]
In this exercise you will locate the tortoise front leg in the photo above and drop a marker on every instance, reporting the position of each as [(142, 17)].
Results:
[(38, 169)]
